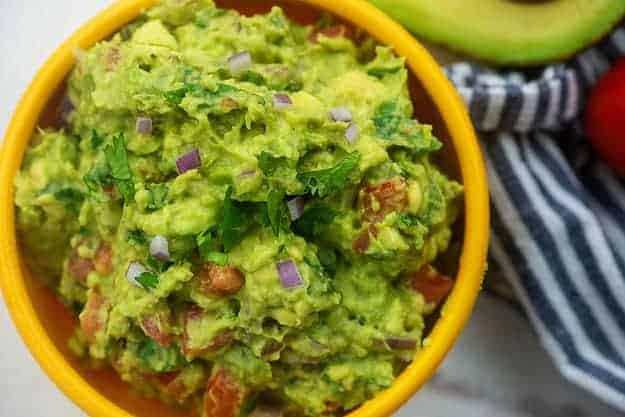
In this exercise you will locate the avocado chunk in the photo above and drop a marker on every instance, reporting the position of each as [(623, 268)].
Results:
[(509, 32)]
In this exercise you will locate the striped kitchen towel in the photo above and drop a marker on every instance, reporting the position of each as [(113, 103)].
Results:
[(558, 229)]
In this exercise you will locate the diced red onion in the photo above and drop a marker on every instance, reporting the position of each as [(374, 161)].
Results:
[(401, 342), (351, 133), (135, 269), (341, 114), (188, 161), (289, 274), (240, 62), (296, 207), (143, 126), (281, 101), (159, 248)]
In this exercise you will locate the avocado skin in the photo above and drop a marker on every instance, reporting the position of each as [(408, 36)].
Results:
[(508, 32)]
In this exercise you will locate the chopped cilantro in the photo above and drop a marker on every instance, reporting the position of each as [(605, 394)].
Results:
[(236, 221), (96, 139), (176, 96), (158, 196), (148, 280), (387, 120), (71, 197), (277, 212), (218, 258), (314, 218), (269, 163), (157, 265), (98, 177), (137, 237), (253, 77), (433, 211), (327, 258), (210, 247), (117, 160), (324, 182), (158, 358), (390, 124)]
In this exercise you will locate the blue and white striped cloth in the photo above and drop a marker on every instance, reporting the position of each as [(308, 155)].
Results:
[(558, 229)]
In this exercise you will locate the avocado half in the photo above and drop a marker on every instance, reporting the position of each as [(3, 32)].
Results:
[(509, 32)]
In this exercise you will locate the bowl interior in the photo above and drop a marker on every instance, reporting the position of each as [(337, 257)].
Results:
[(59, 322)]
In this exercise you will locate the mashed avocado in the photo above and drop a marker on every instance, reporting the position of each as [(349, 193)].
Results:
[(241, 212)]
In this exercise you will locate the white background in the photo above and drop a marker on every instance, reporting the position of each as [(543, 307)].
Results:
[(497, 369)]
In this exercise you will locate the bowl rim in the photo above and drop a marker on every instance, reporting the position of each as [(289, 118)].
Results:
[(456, 309)]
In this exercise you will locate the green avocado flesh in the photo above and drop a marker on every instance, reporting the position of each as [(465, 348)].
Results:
[(509, 32), (191, 276)]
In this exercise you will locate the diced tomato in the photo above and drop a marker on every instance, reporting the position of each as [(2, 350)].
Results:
[(79, 267), (94, 316), (155, 326), (363, 240), (172, 384), (220, 280), (223, 395), (165, 378), (103, 260), (433, 286), (376, 201), (333, 31)]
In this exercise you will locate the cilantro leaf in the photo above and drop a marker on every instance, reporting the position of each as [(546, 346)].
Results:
[(136, 236), (209, 246), (148, 280), (277, 212), (218, 258), (387, 120), (327, 258), (390, 124), (158, 358), (324, 182), (158, 196), (433, 211), (253, 77), (117, 160), (98, 177), (157, 265), (71, 197), (236, 221), (96, 139), (175, 97), (269, 163), (314, 218)]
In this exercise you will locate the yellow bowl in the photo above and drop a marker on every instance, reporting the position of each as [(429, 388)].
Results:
[(45, 325)]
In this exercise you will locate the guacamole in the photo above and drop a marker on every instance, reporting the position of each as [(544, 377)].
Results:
[(241, 212)]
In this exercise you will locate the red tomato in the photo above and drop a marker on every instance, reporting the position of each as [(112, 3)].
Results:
[(220, 280), (433, 286), (94, 316), (376, 201), (223, 395), (102, 261), (363, 240), (155, 326), (605, 114), (79, 267)]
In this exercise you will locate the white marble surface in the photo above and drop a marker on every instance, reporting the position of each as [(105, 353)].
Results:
[(497, 369)]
